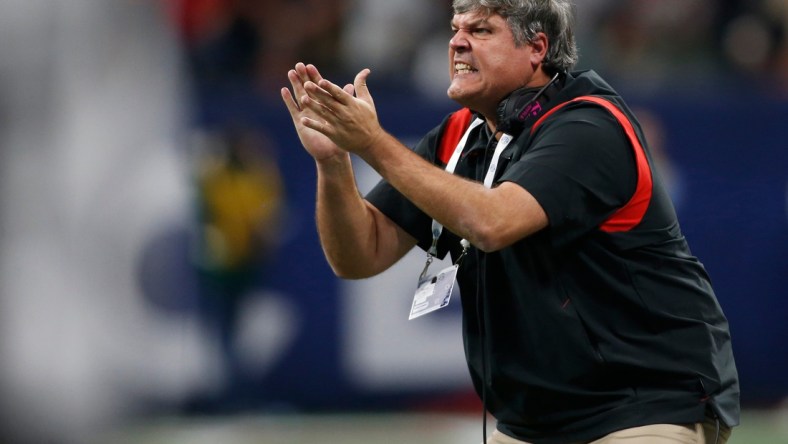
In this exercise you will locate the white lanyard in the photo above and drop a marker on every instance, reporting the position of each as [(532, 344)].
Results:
[(434, 292), (502, 144), (437, 227)]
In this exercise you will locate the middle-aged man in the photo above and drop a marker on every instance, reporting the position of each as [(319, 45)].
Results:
[(585, 316)]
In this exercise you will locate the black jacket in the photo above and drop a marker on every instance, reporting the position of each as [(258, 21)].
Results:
[(585, 327)]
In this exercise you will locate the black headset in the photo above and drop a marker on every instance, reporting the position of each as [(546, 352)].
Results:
[(522, 106)]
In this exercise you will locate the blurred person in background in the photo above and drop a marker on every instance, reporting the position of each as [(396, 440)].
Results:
[(240, 201), (586, 318), (91, 116), (754, 42)]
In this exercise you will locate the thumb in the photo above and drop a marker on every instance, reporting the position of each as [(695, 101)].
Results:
[(360, 84)]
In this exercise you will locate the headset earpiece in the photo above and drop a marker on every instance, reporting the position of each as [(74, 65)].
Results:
[(523, 106)]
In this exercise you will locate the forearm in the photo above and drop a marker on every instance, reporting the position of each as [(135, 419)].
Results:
[(347, 225), (489, 219), (453, 201)]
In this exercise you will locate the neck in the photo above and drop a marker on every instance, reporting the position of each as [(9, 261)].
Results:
[(491, 124), (540, 78)]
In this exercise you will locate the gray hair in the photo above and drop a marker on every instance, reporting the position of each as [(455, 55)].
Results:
[(526, 18)]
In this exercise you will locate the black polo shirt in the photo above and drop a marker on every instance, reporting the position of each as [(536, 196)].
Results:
[(580, 330)]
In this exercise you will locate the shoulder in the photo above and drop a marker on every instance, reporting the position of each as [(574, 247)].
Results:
[(582, 107), (584, 121), (450, 133)]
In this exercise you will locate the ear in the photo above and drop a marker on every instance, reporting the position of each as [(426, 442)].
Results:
[(539, 47)]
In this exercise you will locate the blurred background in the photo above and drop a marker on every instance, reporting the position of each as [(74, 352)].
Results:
[(161, 280)]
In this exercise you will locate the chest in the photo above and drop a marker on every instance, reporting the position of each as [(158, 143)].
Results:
[(484, 158)]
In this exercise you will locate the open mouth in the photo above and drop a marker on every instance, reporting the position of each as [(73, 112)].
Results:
[(463, 68)]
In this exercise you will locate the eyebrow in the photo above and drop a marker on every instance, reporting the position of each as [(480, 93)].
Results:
[(474, 23)]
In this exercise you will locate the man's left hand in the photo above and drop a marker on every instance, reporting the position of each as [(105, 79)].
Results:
[(350, 122)]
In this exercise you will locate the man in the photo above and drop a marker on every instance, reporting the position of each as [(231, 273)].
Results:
[(585, 316)]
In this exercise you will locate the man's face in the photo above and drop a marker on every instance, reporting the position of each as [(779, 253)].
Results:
[(484, 63)]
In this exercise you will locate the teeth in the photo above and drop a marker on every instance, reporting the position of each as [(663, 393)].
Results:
[(463, 68)]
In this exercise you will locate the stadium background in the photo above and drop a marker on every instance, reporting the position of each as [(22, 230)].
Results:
[(160, 275)]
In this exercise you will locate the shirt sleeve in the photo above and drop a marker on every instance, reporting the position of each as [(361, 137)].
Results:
[(580, 168), (398, 208)]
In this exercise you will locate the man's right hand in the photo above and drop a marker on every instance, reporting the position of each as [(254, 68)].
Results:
[(317, 145)]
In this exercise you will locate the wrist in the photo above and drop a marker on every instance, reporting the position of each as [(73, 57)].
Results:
[(376, 143), (334, 163)]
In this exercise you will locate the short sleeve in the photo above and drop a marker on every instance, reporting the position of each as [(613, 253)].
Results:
[(398, 208), (580, 167)]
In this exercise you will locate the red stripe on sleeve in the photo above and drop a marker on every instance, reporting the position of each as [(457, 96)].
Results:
[(455, 128), (632, 213)]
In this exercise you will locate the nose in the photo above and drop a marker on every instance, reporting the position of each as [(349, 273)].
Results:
[(459, 42)]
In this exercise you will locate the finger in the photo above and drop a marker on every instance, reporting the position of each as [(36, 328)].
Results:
[(320, 101), (317, 107), (360, 84), (319, 93), (313, 74), (308, 73), (290, 103), (350, 89), (296, 83), (335, 92), (300, 69), (319, 126)]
